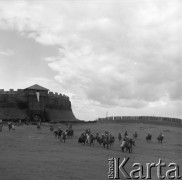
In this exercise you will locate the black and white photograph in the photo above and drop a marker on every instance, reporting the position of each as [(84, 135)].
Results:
[(90, 89)]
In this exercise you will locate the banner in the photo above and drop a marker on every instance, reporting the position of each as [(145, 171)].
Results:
[(38, 95)]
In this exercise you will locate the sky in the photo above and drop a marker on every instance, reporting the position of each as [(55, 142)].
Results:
[(111, 57)]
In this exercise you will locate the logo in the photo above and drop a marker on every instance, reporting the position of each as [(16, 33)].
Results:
[(118, 170)]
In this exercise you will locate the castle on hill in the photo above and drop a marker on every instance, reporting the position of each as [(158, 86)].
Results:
[(35, 103)]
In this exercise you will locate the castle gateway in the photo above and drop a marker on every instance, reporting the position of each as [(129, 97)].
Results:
[(35, 103)]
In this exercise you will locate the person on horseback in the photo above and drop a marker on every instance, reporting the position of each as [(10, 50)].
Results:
[(123, 144), (119, 137), (64, 136), (161, 135), (106, 133)]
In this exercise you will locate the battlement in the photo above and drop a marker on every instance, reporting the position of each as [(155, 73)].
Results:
[(52, 94), (12, 91)]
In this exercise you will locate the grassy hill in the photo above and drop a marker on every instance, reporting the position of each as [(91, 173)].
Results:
[(31, 154)]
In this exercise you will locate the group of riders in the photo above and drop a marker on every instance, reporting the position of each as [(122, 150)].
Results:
[(62, 134), (159, 138), (107, 140), (87, 137)]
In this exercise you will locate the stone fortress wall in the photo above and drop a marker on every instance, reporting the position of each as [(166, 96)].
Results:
[(23, 104), (13, 98)]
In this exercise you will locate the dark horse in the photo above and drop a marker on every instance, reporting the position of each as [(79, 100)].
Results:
[(106, 141), (82, 139), (70, 133), (99, 140), (148, 138), (128, 145), (160, 138), (57, 133)]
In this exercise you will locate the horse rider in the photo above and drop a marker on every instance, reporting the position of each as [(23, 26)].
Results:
[(64, 136), (123, 143), (161, 135), (125, 134), (106, 133)]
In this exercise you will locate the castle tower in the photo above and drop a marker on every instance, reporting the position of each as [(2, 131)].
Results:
[(36, 99)]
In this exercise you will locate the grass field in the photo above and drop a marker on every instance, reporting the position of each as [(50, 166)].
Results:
[(31, 154)]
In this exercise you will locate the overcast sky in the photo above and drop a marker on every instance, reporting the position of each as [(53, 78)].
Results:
[(114, 57)]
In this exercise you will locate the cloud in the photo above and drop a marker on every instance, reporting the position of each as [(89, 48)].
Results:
[(6, 52), (116, 54)]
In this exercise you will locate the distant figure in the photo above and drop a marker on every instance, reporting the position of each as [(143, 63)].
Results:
[(160, 138), (1, 127), (39, 126), (135, 135), (51, 128), (119, 137), (125, 134), (9, 125), (64, 136), (149, 137)]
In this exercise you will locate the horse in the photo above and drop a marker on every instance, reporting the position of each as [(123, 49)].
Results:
[(82, 139), (149, 138), (160, 138), (57, 133), (90, 139), (99, 140), (70, 133), (106, 141), (111, 140), (127, 144)]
